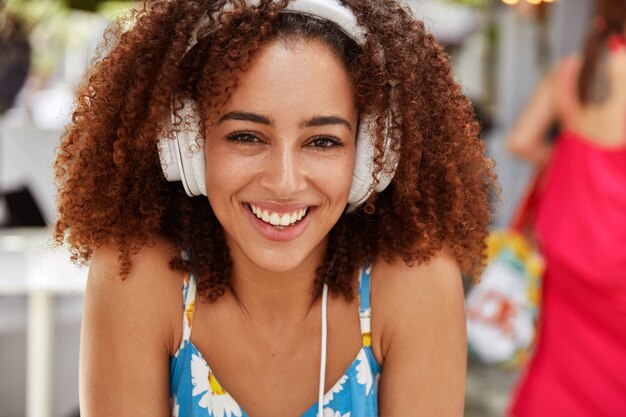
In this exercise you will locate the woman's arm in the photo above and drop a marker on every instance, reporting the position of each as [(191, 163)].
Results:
[(127, 335), (419, 312), (527, 139)]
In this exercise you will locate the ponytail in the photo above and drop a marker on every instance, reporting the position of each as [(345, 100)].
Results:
[(594, 46), (609, 20)]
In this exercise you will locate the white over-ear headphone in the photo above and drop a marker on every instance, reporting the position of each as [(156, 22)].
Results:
[(183, 158)]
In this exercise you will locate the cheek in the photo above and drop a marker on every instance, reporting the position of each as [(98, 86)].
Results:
[(223, 177), (337, 177), (346, 177)]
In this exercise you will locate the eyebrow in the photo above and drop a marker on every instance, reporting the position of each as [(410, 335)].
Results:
[(248, 117), (313, 122), (324, 121)]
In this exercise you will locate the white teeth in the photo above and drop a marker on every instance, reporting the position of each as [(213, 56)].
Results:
[(285, 220), (276, 219)]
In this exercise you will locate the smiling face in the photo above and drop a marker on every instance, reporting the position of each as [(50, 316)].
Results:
[(279, 161)]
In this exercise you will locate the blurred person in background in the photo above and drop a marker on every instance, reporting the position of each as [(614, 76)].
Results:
[(279, 118), (579, 367)]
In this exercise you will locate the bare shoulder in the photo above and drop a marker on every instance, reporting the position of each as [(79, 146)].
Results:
[(130, 328), (400, 291), (150, 261), (439, 271), (152, 290), (418, 334), (151, 287), (562, 77)]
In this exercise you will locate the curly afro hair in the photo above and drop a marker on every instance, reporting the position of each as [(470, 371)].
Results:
[(112, 191)]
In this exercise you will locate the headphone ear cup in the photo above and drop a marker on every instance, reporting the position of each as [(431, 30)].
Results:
[(362, 179), (198, 164), (169, 157), (182, 158), (363, 174), (192, 161)]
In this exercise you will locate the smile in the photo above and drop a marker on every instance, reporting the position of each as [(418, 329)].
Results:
[(279, 220)]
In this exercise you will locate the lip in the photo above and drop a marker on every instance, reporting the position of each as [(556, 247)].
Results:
[(278, 208), (270, 232)]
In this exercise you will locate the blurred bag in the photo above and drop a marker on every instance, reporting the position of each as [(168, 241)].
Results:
[(502, 310)]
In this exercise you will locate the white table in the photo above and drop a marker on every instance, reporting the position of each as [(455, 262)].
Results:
[(29, 265)]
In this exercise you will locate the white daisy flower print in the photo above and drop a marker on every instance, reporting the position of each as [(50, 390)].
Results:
[(332, 413), (217, 402), (364, 372), (199, 375), (337, 388)]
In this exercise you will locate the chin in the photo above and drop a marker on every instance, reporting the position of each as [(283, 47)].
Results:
[(283, 258), (285, 261)]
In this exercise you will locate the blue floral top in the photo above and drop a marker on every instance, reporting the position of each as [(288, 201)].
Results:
[(194, 390)]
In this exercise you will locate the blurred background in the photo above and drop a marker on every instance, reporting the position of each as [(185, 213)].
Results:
[(499, 49)]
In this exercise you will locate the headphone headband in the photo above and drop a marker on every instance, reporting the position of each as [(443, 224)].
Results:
[(330, 10)]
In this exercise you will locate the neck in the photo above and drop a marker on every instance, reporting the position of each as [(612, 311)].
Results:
[(276, 299)]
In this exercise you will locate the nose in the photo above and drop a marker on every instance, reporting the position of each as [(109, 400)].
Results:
[(283, 174)]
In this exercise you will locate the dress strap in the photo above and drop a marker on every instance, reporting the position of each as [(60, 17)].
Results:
[(365, 310), (189, 304)]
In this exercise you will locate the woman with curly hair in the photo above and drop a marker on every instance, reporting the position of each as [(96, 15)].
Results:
[(579, 366), (333, 191)]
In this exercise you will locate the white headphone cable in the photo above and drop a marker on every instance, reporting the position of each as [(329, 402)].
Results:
[(320, 401)]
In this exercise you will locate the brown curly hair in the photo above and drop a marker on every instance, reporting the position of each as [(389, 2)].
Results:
[(112, 190)]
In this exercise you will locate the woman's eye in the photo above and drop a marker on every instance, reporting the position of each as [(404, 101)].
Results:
[(244, 138), (325, 142)]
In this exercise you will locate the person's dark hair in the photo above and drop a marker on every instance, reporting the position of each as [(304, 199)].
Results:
[(609, 19), (112, 191)]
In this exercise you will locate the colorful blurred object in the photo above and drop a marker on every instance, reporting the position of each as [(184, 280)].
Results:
[(502, 310), (525, 255)]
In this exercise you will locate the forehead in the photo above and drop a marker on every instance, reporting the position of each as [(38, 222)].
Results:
[(291, 76)]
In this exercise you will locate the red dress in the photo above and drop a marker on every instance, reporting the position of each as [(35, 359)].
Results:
[(579, 367)]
